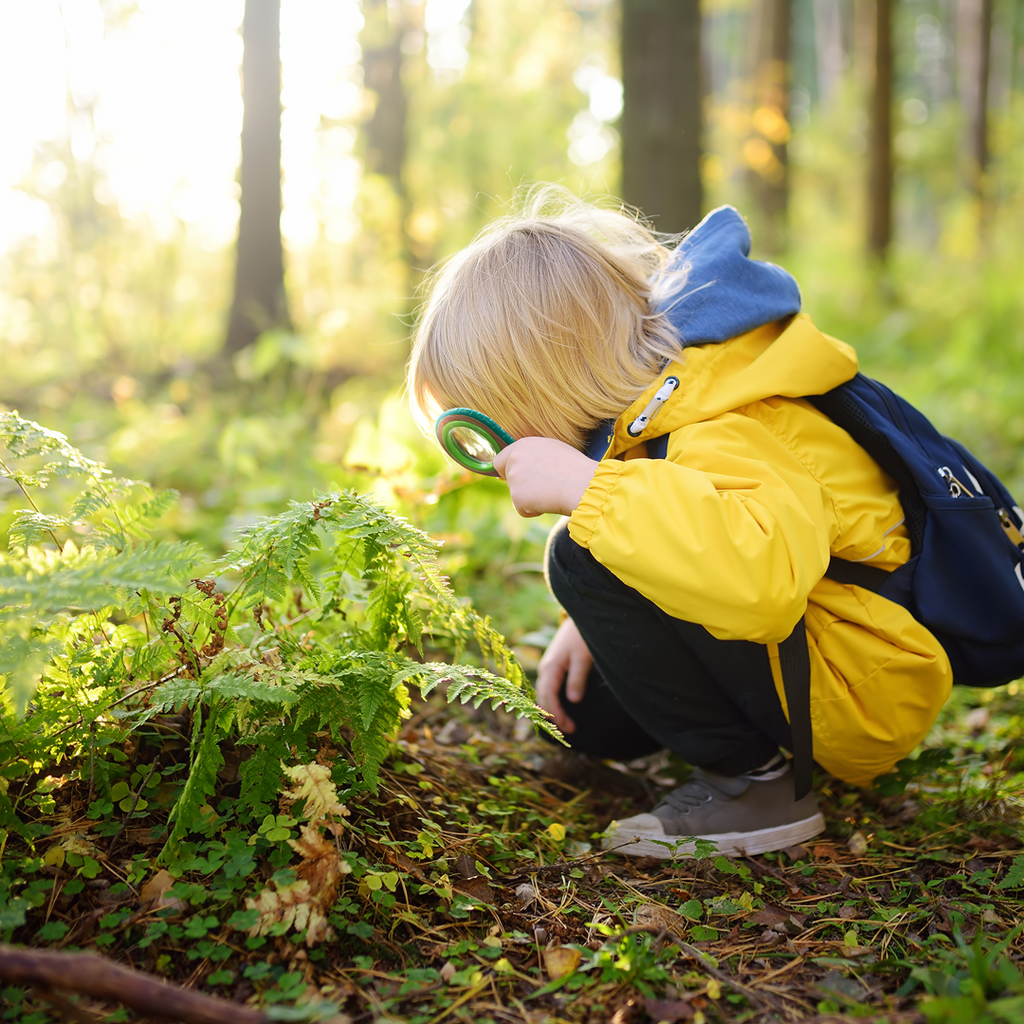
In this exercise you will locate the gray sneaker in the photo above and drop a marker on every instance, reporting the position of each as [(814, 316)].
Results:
[(742, 816)]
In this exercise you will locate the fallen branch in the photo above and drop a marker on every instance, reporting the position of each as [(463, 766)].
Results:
[(95, 976)]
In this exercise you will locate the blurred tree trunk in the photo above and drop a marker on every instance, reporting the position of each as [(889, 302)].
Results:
[(880, 166), (259, 301), (382, 75), (974, 50), (386, 25), (661, 114), (766, 151)]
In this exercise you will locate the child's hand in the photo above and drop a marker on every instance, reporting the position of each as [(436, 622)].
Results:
[(544, 475), (567, 658)]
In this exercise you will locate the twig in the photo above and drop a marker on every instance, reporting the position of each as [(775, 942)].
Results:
[(92, 760), (101, 978), (792, 888), (546, 869)]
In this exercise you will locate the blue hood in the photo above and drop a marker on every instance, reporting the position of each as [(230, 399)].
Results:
[(725, 293)]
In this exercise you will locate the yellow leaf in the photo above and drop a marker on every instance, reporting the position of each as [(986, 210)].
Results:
[(54, 856), (560, 961), (502, 966), (312, 783)]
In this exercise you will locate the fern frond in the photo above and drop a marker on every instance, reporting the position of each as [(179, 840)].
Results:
[(477, 685), (25, 439), (90, 580), (234, 686), (30, 527), (260, 776), (139, 520), (201, 781)]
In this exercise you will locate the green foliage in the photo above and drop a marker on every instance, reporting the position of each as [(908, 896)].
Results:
[(319, 620), (973, 982), (912, 769)]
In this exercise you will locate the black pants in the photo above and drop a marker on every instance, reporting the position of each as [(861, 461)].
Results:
[(659, 682)]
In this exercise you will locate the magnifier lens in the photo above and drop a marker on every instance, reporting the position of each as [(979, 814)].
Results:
[(471, 439), (475, 445)]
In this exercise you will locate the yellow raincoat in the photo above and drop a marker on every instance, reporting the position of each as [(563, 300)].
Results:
[(735, 527)]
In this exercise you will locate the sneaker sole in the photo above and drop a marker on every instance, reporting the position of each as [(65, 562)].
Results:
[(729, 844)]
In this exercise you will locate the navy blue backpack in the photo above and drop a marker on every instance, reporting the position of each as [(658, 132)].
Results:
[(964, 580)]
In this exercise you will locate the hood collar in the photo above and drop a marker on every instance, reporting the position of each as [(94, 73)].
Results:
[(712, 291)]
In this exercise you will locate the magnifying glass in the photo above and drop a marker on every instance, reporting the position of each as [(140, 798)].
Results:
[(472, 439)]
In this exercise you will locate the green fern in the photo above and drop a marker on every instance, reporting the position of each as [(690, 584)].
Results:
[(202, 777), (324, 626)]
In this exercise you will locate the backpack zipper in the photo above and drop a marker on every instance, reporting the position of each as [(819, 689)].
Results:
[(1010, 528), (956, 488)]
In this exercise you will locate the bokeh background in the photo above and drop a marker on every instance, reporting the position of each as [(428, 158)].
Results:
[(225, 310)]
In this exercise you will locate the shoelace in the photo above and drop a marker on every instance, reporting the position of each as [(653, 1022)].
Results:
[(691, 794)]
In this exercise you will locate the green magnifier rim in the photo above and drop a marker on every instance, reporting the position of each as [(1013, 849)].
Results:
[(483, 426)]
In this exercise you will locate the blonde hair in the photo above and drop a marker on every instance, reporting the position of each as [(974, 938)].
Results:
[(544, 322)]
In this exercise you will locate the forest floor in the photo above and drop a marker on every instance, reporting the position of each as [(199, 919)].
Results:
[(472, 887)]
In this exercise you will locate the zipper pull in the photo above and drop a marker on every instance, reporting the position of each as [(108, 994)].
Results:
[(956, 488), (1010, 528)]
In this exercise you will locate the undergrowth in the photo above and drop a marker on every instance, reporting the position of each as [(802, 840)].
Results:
[(242, 777)]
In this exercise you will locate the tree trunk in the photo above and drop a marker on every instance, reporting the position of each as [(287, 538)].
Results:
[(259, 302), (382, 74), (974, 49), (880, 170), (661, 115), (386, 25), (766, 151)]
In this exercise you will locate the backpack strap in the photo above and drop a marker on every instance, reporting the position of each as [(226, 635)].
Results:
[(657, 447), (794, 656), (870, 577), (795, 662)]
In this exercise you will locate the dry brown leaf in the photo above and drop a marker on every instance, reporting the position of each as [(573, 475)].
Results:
[(654, 915), (770, 915), (154, 889), (321, 866), (294, 905), (476, 887), (78, 843), (857, 844), (312, 783), (466, 866), (669, 1010), (560, 961)]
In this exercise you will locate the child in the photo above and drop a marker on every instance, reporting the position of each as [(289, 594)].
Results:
[(584, 336)]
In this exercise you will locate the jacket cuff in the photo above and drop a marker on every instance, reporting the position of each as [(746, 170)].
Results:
[(585, 517)]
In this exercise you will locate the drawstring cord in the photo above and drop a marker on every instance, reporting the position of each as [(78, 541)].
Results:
[(637, 427)]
